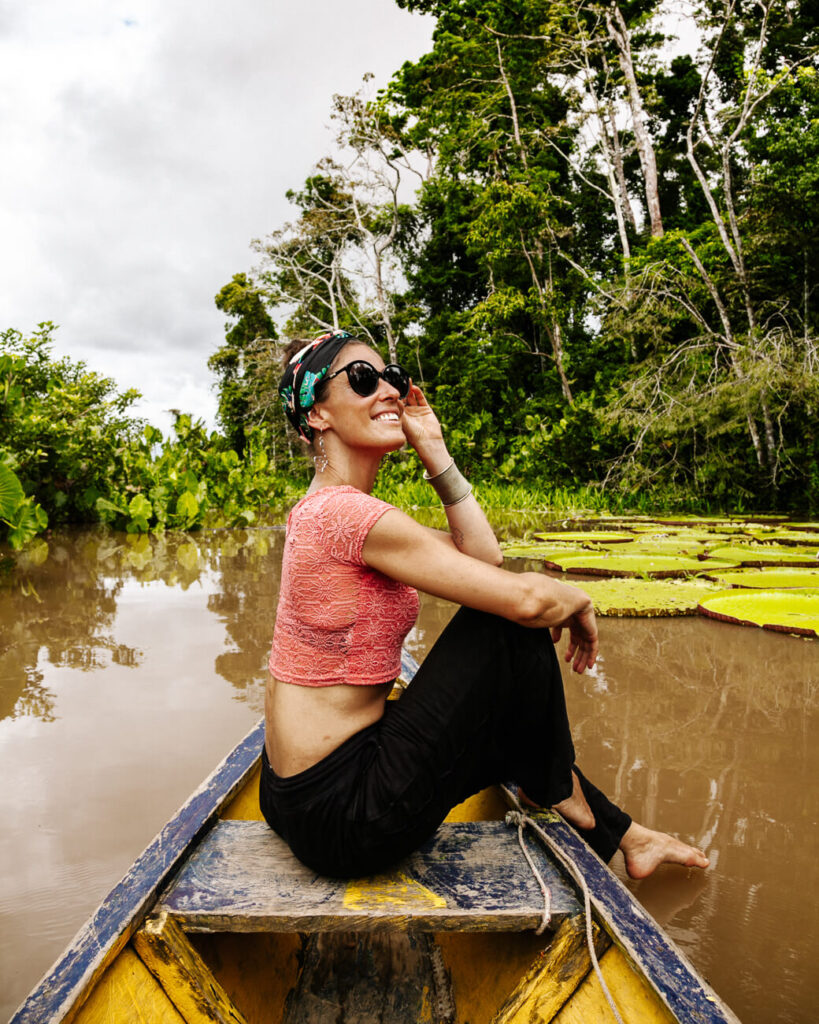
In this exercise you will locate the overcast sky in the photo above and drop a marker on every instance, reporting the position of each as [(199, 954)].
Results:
[(143, 144)]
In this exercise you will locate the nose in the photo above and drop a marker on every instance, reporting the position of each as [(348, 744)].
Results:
[(387, 390)]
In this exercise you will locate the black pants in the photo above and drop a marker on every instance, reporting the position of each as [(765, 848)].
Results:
[(486, 706)]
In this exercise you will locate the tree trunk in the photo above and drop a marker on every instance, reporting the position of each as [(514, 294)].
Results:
[(645, 147)]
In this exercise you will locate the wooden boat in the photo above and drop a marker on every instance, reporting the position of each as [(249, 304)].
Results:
[(217, 921)]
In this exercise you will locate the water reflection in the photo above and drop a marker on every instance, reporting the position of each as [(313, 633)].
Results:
[(59, 608)]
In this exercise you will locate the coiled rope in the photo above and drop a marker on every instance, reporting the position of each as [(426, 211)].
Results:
[(519, 817)]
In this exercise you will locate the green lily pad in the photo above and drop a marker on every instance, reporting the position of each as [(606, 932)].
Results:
[(653, 566), (786, 611), (765, 554), (768, 579), (680, 546), (789, 538), (585, 537), (539, 551), (647, 598)]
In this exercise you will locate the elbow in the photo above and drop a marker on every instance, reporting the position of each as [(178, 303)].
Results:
[(497, 558)]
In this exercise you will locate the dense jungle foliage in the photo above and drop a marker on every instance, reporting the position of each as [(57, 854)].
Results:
[(590, 241)]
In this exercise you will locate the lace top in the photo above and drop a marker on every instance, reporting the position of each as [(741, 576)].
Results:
[(338, 620)]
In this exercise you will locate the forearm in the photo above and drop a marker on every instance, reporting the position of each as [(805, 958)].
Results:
[(468, 526), (471, 532)]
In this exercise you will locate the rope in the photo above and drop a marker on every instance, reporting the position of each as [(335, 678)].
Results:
[(520, 818)]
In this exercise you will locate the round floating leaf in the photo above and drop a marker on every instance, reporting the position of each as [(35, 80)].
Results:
[(647, 598), (539, 551), (585, 537), (707, 521), (788, 538), (653, 566), (765, 554), (768, 579), (787, 611)]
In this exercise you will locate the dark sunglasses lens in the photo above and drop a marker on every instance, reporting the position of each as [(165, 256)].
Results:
[(363, 378), (397, 377)]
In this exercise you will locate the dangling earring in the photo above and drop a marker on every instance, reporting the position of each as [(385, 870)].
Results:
[(320, 458)]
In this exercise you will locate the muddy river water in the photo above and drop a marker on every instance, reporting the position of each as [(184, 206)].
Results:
[(130, 665)]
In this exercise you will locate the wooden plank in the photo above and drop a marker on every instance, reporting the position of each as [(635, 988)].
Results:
[(186, 979), (554, 977), (69, 981), (654, 955), (353, 978), (127, 993), (258, 971), (635, 1001), (468, 876)]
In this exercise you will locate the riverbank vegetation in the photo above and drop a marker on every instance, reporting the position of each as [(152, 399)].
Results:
[(590, 241)]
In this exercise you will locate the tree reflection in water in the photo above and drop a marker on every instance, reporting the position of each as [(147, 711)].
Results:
[(59, 607)]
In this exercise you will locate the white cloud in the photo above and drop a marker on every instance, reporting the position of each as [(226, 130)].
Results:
[(145, 143)]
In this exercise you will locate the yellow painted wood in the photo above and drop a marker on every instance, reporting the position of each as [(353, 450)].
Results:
[(396, 889), (183, 974), (488, 805), (257, 971), (127, 993), (554, 976), (633, 997), (485, 967), (245, 804)]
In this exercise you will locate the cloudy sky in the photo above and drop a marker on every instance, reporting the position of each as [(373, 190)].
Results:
[(143, 143)]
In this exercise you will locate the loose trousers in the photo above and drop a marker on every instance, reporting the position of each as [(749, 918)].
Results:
[(486, 706)]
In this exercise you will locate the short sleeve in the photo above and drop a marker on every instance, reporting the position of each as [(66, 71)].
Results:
[(346, 517)]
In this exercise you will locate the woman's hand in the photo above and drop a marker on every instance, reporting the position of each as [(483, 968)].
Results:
[(583, 641), (423, 430)]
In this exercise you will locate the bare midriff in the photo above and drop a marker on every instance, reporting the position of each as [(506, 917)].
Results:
[(303, 724)]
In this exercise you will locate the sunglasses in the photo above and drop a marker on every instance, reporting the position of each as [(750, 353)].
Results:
[(364, 377)]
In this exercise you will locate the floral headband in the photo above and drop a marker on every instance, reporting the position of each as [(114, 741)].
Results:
[(297, 389)]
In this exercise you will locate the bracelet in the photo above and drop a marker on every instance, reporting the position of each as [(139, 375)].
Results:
[(450, 485)]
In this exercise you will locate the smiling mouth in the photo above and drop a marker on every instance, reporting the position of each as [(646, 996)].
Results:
[(392, 417)]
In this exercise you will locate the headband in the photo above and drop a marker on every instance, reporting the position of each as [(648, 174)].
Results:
[(297, 389)]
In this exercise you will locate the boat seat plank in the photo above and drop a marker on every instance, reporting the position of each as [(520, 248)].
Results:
[(470, 876)]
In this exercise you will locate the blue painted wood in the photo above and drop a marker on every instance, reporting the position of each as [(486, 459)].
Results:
[(470, 876), (125, 906), (409, 666), (664, 966)]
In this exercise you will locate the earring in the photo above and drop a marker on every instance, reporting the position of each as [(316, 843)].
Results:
[(320, 458)]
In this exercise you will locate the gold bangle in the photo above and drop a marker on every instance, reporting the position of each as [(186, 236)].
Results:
[(451, 486)]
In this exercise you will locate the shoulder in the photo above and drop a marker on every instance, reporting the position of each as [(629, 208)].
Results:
[(338, 519)]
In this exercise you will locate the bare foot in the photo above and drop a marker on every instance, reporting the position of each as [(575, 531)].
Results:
[(645, 850), (574, 808)]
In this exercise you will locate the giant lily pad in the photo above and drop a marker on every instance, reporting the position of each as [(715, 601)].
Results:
[(585, 537), (652, 566), (787, 611), (647, 598), (768, 579), (765, 554), (790, 538), (543, 552)]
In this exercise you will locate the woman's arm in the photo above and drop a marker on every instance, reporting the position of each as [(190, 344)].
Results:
[(468, 526), (404, 550)]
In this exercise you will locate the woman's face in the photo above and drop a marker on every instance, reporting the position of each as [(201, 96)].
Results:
[(372, 422)]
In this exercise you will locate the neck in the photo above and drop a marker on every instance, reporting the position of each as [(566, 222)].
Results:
[(345, 468)]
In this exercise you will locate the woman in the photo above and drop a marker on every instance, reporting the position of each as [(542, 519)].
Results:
[(352, 782)]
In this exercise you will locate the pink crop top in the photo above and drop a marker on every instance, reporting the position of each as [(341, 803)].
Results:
[(338, 620)]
